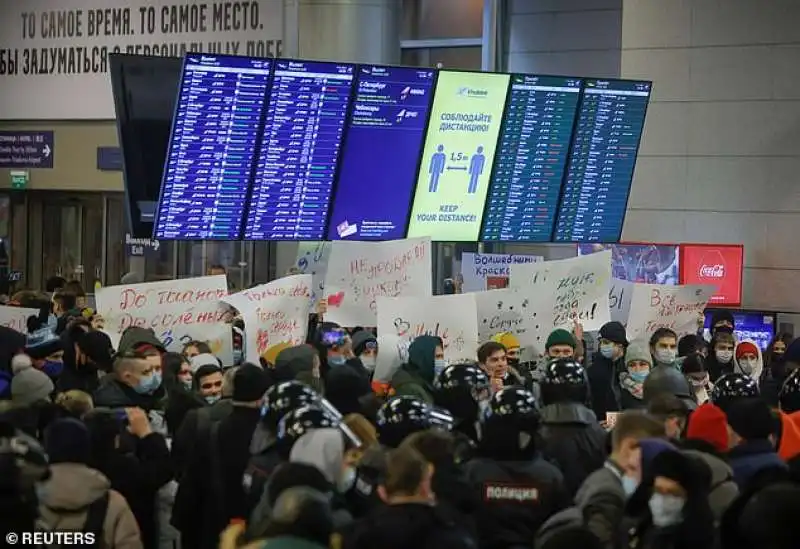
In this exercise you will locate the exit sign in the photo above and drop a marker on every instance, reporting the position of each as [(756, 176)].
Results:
[(19, 179)]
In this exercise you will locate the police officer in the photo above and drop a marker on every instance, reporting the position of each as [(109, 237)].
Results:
[(279, 400), (519, 490), (464, 391), (404, 415), (571, 434), (732, 387)]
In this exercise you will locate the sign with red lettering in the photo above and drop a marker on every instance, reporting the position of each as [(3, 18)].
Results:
[(360, 272), (400, 320), (717, 264), (274, 313), (178, 311), (656, 306)]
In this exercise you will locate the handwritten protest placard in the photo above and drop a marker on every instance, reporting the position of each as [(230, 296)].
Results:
[(312, 258), (360, 272), (656, 306), (16, 318), (577, 287), (402, 319), (274, 313), (178, 311), (619, 299), (482, 271)]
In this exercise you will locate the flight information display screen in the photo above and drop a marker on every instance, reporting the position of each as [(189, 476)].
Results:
[(211, 151), (299, 152), (529, 170), (602, 160), (379, 164)]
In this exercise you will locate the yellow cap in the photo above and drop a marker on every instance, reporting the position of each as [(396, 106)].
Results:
[(507, 340)]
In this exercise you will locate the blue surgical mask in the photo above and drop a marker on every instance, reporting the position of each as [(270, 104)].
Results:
[(438, 366), (665, 356), (666, 510), (607, 350), (629, 485), (638, 377), (336, 360), (145, 384), (156, 382), (187, 384), (237, 356), (211, 399), (53, 368)]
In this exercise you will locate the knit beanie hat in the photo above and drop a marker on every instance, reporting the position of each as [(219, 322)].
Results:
[(639, 352), (97, 346), (42, 340), (249, 383), (507, 340), (709, 424), (751, 418), (67, 441), (28, 385), (560, 336), (615, 332), (651, 447), (746, 347)]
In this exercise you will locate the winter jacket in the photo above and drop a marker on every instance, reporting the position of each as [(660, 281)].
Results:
[(67, 495), (723, 489)]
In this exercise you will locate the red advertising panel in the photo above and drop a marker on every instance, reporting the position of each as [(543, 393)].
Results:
[(717, 264)]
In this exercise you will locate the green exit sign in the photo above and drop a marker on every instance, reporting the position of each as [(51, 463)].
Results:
[(19, 179)]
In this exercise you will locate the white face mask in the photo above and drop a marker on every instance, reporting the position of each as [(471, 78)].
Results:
[(747, 365), (666, 510), (665, 356), (369, 362), (724, 356)]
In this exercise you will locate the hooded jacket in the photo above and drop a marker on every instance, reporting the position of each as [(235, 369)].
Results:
[(723, 488), (415, 377), (759, 367), (66, 496), (134, 337)]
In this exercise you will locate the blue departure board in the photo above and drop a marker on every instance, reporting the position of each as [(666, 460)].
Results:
[(529, 169), (381, 152), (299, 151), (212, 146), (602, 160)]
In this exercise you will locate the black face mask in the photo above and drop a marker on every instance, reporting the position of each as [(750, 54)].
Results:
[(513, 362)]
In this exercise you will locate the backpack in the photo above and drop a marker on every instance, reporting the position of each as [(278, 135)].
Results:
[(95, 520)]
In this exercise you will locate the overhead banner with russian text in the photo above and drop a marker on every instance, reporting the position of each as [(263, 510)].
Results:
[(402, 319), (458, 155), (64, 45), (273, 313), (360, 272), (178, 311), (577, 289)]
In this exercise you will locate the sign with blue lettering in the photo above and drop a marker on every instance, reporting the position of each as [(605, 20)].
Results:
[(109, 159), (140, 247), (26, 149)]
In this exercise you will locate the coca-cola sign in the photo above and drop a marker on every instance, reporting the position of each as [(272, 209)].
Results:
[(712, 271), (717, 264)]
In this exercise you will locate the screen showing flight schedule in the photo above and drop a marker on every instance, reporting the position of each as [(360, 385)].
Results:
[(381, 151), (602, 160), (297, 162), (212, 145), (529, 169)]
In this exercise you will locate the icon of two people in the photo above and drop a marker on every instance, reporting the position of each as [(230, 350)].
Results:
[(437, 166)]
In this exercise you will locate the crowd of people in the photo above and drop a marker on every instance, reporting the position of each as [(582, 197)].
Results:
[(666, 443)]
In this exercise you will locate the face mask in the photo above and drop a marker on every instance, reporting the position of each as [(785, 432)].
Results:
[(146, 385), (513, 362), (776, 355), (211, 399), (156, 381), (665, 356), (666, 510), (53, 368), (347, 480), (607, 350), (724, 356), (187, 384), (629, 485), (747, 366), (438, 366), (369, 362), (237, 356), (638, 377), (337, 360)]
